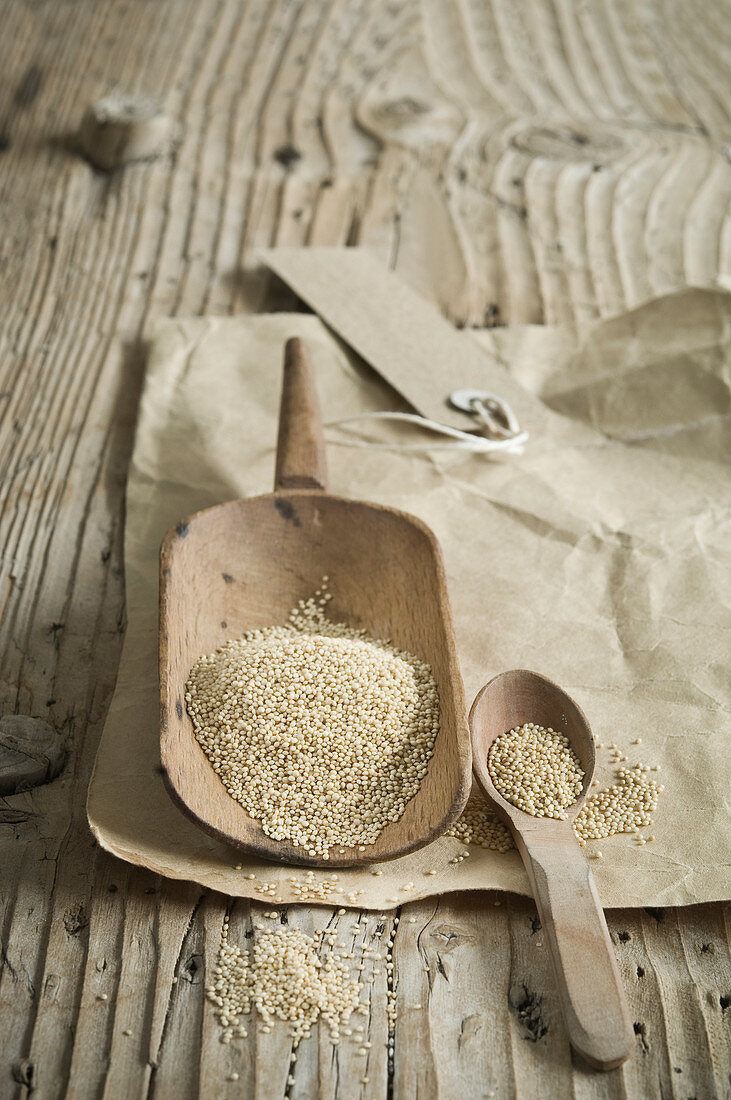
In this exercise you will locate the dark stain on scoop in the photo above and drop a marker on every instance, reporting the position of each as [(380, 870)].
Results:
[(178, 708), (228, 578), (182, 529), (286, 509)]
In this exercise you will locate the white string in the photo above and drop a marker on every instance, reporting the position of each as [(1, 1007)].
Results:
[(512, 442), (495, 415)]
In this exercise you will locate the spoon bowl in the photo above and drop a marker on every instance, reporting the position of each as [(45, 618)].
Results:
[(589, 985), (517, 697), (245, 565)]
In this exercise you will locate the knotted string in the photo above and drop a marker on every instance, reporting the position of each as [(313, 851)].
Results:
[(494, 414)]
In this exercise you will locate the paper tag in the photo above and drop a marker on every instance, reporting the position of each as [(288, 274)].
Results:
[(403, 337)]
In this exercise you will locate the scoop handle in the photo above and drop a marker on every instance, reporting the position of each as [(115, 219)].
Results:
[(301, 461), (590, 988)]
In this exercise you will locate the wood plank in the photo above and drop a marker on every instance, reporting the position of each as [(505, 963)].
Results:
[(538, 161)]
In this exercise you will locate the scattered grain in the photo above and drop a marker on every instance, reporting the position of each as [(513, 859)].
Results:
[(479, 826), (282, 979), (624, 807), (268, 889), (312, 889)]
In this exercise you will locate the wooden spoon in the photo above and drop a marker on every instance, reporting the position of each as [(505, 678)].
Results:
[(590, 988), (246, 564)]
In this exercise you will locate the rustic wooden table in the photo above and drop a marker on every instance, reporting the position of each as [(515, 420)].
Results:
[(516, 161)]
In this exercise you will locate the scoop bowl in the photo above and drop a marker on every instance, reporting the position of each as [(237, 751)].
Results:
[(245, 565)]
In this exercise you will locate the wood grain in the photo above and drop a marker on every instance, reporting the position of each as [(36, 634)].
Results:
[(532, 161)]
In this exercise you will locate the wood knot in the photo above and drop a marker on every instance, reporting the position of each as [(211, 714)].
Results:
[(528, 1007), (405, 107), (566, 143), (119, 129), (287, 155), (192, 969), (640, 1031), (31, 752), (449, 937), (24, 1072), (75, 920)]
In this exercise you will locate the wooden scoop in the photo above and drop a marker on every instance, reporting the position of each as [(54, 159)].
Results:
[(246, 564), (590, 989)]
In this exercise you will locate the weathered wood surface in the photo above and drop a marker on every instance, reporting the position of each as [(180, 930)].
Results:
[(517, 161)]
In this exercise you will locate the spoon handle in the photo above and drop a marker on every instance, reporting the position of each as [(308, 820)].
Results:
[(590, 988), (301, 461)]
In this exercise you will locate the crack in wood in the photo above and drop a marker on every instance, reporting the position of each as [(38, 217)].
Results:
[(641, 1033)]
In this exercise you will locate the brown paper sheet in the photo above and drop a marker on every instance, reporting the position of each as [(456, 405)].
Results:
[(601, 562)]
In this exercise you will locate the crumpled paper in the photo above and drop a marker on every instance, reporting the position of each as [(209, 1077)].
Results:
[(600, 561)]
